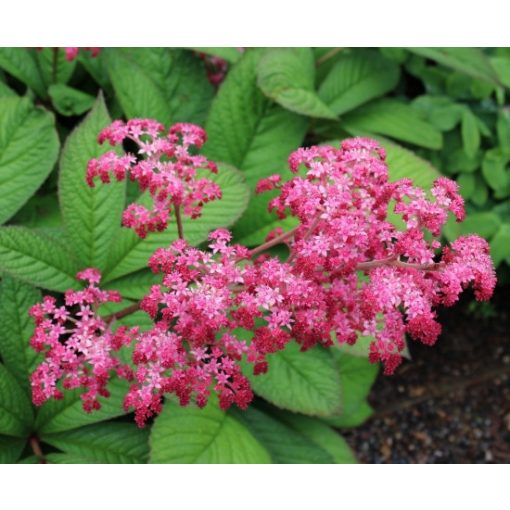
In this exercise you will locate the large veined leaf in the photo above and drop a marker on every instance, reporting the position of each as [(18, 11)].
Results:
[(10, 449), (189, 435), (15, 410), (28, 151), (501, 66), (470, 61), (500, 245), (130, 253), (66, 414), (104, 443), (6, 91), (22, 64), (160, 83), (470, 133), (305, 382), (285, 445), (357, 375), (287, 75), (35, 258), (92, 216), (357, 78), (250, 132), (54, 66), (392, 118), (16, 328), (315, 430)]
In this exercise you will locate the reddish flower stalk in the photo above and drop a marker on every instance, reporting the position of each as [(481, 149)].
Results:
[(216, 307)]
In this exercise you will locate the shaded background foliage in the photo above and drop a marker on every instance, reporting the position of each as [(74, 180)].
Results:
[(435, 110)]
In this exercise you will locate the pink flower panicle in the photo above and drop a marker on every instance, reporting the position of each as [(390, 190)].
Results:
[(72, 53), (78, 345), (342, 203), (165, 166), (350, 272)]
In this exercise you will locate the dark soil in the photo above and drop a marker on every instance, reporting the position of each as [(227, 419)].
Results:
[(451, 402)]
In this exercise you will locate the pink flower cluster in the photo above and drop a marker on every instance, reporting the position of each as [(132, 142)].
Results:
[(72, 53), (350, 272), (79, 346), (165, 166)]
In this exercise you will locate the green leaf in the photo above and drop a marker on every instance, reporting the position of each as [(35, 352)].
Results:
[(16, 415), (231, 55), (28, 151), (11, 449), (392, 118), (135, 285), (467, 185), (287, 75), (357, 375), (286, 445), (503, 130), (104, 443), (68, 413), (130, 253), (470, 61), (248, 131), (493, 169), (305, 382), (470, 133), (485, 224), (22, 64), (357, 78), (501, 66), (69, 101), (188, 435), (16, 329), (54, 66), (440, 111), (6, 91), (500, 244), (36, 258), (92, 216), (318, 432), (160, 83)]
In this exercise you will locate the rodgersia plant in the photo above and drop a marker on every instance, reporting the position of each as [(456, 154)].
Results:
[(350, 272)]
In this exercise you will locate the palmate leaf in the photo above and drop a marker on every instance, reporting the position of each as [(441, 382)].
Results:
[(37, 259), (160, 83), (189, 435), (287, 75), (250, 132), (16, 328), (15, 410), (102, 443), (28, 151), (92, 216), (130, 253), (357, 78), (305, 382)]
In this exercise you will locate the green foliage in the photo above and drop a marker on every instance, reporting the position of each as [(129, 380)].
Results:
[(203, 436), (435, 110), (28, 151), (301, 382), (91, 216)]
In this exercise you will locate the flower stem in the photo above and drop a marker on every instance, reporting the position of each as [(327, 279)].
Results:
[(393, 261), (122, 313), (178, 219), (36, 448), (273, 242)]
